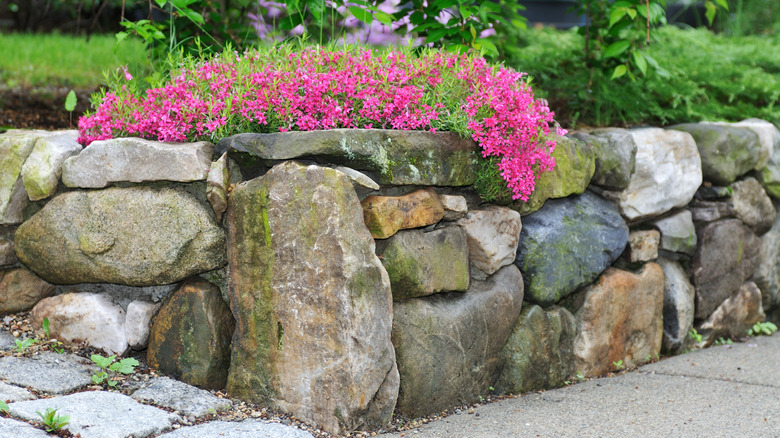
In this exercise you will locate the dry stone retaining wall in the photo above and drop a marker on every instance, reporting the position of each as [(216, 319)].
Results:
[(341, 275)]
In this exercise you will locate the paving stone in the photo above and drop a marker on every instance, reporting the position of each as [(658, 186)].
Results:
[(179, 396), (100, 414), (11, 393), (48, 372), (242, 429), (9, 427)]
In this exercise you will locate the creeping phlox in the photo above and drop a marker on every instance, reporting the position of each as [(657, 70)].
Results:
[(315, 88)]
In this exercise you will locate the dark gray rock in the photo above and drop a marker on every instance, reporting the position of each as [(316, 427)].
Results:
[(726, 257), (567, 244), (100, 414), (540, 352), (181, 397), (423, 263), (140, 236), (448, 345), (47, 372), (615, 156), (398, 157), (6, 340), (727, 152), (710, 211), (238, 429), (752, 205), (191, 334), (678, 310), (678, 233)]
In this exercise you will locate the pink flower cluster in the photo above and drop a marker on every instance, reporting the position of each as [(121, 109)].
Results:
[(320, 89)]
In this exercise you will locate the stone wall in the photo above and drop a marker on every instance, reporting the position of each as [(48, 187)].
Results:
[(341, 275)]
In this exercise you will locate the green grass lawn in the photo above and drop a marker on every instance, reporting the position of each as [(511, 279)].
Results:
[(41, 60)]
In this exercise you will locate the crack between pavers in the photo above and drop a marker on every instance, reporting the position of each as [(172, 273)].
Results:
[(763, 385)]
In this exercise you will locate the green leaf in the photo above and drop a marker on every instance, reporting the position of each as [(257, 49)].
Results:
[(616, 15), (640, 62), (102, 362), (710, 12), (435, 35), (488, 46), (193, 16), (161, 3), (45, 324), (631, 13), (616, 49), (317, 8), (361, 14), (465, 12), (70, 105), (619, 71), (4, 406), (125, 366), (723, 4), (384, 18)]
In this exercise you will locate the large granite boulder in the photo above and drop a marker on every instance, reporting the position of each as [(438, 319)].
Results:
[(397, 157), (727, 152), (20, 290), (769, 175), (678, 234), (615, 150), (567, 244), (42, 169), (492, 234), (619, 320), (726, 257), (423, 263), (539, 353), (767, 273), (752, 205), (15, 147), (191, 335), (735, 315), (385, 215), (137, 160), (79, 317), (448, 345), (138, 236), (575, 163), (312, 301), (678, 310), (667, 174)]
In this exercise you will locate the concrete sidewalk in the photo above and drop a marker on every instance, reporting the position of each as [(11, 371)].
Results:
[(724, 391)]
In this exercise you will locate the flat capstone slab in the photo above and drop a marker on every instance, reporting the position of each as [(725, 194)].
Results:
[(51, 373), (15, 428), (100, 414), (186, 399), (242, 429), (11, 393)]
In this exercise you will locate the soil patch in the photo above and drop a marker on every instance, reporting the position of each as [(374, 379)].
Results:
[(40, 108)]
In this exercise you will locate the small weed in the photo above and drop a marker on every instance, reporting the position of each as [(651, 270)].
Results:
[(22, 346), (491, 389), (52, 421), (618, 365), (108, 365), (723, 341), (4, 407), (580, 376), (45, 326), (695, 336), (762, 328)]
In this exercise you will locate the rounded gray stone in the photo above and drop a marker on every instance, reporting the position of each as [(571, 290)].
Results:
[(181, 397), (242, 429)]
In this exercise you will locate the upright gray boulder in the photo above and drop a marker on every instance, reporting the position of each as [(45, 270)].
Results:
[(752, 205), (767, 273), (679, 299), (42, 169), (15, 147), (678, 234), (726, 257), (312, 301), (138, 236), (615, 156)]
